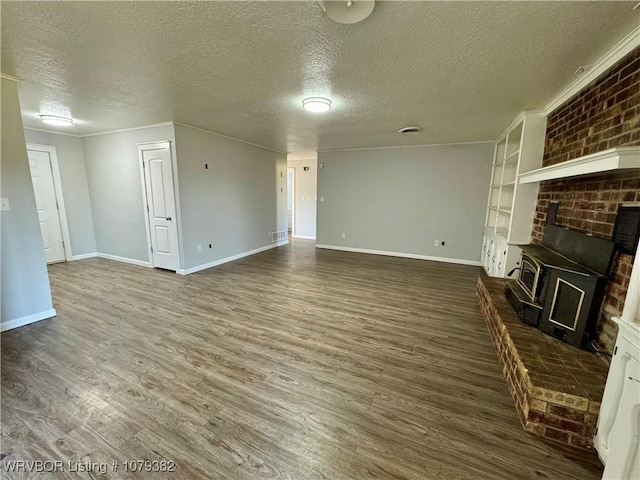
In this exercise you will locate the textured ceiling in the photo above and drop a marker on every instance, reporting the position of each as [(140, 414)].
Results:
[(460, 70)]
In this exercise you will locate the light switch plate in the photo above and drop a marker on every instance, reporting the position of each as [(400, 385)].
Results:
[(5, 204)]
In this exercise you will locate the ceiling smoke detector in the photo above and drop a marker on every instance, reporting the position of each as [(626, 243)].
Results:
[(349, 11), (412, 129)]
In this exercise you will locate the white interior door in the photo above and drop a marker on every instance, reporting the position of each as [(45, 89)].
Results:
[(291, 185), (47, 205), (160, 203)]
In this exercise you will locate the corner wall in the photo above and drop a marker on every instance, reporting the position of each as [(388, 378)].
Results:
[(25, 291), (231, 204), (399, 200), (115, 188), (603, 115)]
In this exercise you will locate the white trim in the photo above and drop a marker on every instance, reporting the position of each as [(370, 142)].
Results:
[(204, 130), (605, 161), (618, 52), (52, 132), (406, 146), (9, 77), (139, 263), (459, 261), (83, 256), (304, 237), (59, 193), (294, 157), (22, 321), (238, 256), (109, 132)]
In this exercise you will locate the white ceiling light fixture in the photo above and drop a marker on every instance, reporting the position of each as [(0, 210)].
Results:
[(316, 104), (56, 120), (347, 12)]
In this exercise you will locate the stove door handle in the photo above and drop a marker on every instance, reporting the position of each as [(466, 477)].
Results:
[(511, 272)]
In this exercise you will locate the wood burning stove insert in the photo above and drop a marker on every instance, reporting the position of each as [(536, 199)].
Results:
[(560, 284)]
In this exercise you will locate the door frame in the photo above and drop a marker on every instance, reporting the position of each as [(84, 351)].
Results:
[(293, 200), (147, 223), (57, 187)]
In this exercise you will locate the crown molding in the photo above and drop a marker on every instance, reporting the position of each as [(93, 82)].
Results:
[(9, 77), (109, 132), (406, 146), (210, 132), (617, 53), (53, 132)]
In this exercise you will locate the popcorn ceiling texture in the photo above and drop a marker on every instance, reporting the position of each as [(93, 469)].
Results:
[(460, 70), (605, 114)]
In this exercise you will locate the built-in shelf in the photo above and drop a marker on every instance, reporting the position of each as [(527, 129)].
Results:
[(620, 158)]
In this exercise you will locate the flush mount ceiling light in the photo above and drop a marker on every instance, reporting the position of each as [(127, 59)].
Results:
[(347, 12), (56, 120), (316, 104), (411, 129)]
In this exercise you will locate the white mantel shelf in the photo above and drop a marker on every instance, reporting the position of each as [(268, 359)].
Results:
[(620, 158)]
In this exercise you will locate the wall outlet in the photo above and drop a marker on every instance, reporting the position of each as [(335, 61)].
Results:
[(5, 204), (210, 246), (344, 235), (199, 248), (442, 243), (302, 198), (436, 243), (322, 199)]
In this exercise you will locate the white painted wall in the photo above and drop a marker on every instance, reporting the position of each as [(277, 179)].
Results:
[(24, 289), (75, 190), (400, 200), (115, 188), (234, 203), (305, 195)]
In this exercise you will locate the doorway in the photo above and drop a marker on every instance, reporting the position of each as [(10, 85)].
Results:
[(47, 189), (160, 204), (291, 199)]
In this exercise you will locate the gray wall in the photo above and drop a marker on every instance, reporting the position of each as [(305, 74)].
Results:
[(25, 282), (74, 187), (234, 203), (305, 186), (402, 199), (113, 175)]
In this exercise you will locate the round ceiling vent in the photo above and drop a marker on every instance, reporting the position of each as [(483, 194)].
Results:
[(412, 129)]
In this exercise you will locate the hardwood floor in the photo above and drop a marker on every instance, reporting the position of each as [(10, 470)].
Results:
[(295, 363)]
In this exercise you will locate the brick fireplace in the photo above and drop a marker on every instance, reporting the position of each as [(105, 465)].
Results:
[(605, 114), (557, 389)]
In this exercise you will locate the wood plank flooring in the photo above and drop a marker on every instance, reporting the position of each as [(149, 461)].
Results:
[(295, 363)]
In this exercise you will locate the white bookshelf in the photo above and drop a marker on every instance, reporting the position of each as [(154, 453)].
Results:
[(511, 206)]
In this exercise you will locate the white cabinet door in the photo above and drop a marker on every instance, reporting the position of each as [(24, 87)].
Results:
[(501, 259), (617, 440)]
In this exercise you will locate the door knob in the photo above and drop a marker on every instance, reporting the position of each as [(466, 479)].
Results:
[(168, 219)]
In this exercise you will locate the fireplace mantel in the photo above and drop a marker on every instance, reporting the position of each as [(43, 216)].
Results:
[(621, 158)]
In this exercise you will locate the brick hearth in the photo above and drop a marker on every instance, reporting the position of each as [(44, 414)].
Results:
[(556, 388)]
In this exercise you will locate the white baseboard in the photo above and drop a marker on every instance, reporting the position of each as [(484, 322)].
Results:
[(475, 263), (19, 322), (215, 263), (140, 263), (305, 237), (83, 256)]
